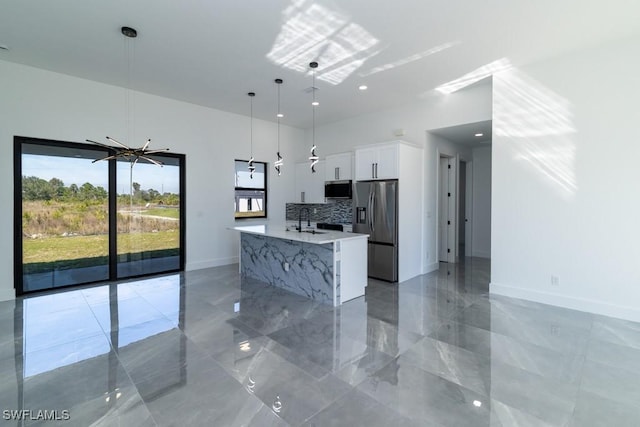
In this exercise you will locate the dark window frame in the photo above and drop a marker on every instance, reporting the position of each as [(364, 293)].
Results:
[(250, 189), (18, 141)]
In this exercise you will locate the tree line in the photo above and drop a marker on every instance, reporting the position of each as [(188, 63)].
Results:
[(34, 188)]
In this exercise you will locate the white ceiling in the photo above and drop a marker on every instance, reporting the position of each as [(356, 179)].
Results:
[(466, 134), (213, 52)]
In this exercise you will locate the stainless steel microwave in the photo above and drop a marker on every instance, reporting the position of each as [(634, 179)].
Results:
[(338, 189)]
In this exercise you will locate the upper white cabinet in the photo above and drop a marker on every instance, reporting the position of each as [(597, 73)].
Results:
[(338, 167), (309, 187), (377, 162)]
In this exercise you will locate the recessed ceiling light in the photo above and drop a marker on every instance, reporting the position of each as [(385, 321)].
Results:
[(363, 87), (4, 47), (280, 115), (315, 103), (477, 403), (479, 134)]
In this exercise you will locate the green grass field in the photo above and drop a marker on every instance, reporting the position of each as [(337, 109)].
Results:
[(62, 235), (163, 212), (78, 251)]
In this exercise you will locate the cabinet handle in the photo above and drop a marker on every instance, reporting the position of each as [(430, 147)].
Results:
[(337, 173), (373, 168), (302, 196), (376, 170)]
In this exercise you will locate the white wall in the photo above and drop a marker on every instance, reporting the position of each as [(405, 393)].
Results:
[(42, 104), (466, 106), (565, 199), (433, 112), (481, 219)]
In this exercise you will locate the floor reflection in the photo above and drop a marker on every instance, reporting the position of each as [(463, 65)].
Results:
[(207, 348)]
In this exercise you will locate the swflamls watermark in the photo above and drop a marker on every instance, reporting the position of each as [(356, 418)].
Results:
[(36, 415)]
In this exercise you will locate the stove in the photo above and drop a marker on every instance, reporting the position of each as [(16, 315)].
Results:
[(328, 226)]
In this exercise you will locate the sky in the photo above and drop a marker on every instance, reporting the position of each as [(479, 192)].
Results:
[(78, 171), (243, 177)]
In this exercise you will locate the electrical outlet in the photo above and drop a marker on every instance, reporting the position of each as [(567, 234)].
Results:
[(554, 329), (555, 281), (315, 210), (286, 266)]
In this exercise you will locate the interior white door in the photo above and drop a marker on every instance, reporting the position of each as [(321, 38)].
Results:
[(447, 235), (443, 210), (452, 200), (468, 210)]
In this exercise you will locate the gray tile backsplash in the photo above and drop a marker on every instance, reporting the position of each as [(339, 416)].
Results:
[(335, 212)]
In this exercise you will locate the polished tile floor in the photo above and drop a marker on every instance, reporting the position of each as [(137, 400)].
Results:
[(206, 348)]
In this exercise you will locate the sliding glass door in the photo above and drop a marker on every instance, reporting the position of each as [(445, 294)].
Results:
[(80, 220), (65, 216), (148, 217)]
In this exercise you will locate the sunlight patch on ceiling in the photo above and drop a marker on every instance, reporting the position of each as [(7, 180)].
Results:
[(538, 124), (408, 59), (475, 76), (315, 33)]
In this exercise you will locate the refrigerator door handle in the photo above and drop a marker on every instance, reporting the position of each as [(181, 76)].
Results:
[(373, 203), (369, 206)]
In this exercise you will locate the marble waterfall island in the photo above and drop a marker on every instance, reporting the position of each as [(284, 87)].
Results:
[(328, 266)]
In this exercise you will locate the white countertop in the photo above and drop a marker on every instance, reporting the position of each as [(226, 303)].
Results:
[(280, 232)]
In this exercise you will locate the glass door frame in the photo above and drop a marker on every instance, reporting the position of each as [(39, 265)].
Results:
[(18, 281)]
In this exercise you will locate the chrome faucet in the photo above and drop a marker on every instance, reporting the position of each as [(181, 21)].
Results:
[(300, 218)]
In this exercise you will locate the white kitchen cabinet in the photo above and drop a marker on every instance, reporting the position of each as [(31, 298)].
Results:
[(377, 162), (309, 187), (338, 167)]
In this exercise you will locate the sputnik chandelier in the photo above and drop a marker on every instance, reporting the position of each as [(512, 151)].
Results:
[(131, 154)]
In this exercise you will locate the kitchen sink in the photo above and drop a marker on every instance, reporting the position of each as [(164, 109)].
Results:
[(314, 232)]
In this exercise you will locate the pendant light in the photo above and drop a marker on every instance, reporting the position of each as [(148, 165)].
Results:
[(250, 165), (133, 155), (278, 163), (313, 157)]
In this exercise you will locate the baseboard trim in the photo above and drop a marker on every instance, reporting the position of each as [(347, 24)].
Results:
[(431, 267), (211, 263), (580, 304)]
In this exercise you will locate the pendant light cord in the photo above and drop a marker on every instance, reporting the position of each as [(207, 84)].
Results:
[(313, 157), (313, 104), (250, 165), (278, 116)]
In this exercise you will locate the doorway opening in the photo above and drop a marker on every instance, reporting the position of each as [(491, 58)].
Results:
[(463, 191)]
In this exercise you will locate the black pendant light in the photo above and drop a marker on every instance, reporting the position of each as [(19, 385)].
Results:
[(133, 155), (250, 165), (313, 157), (278, 163)]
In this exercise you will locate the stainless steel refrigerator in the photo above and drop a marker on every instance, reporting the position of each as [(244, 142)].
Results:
[(375, 212)]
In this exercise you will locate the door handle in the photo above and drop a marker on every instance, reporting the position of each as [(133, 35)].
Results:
[(373, 207), (370, 208)]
